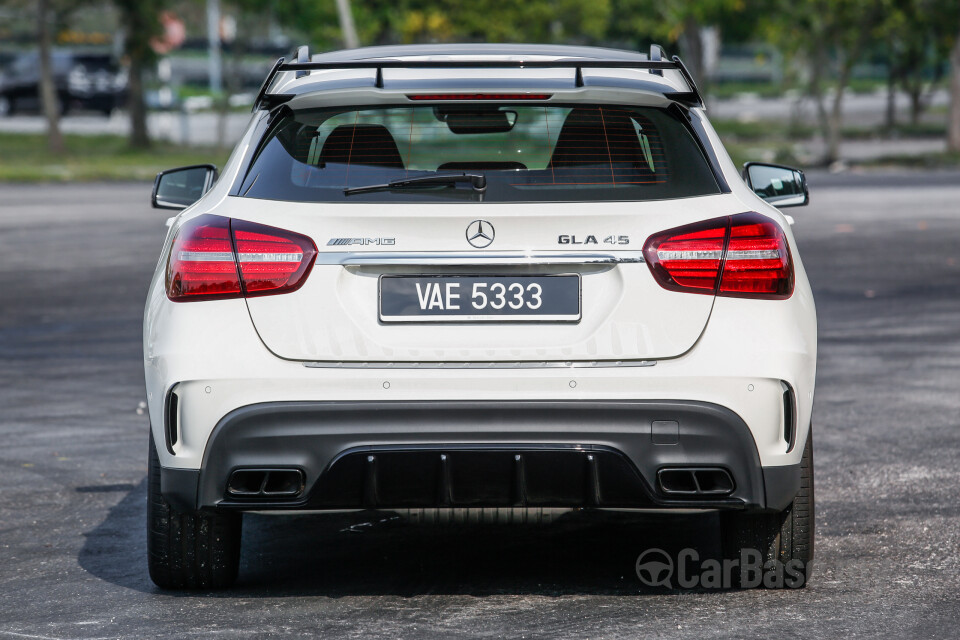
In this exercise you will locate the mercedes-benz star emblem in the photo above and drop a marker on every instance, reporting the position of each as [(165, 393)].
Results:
[(480, 233)]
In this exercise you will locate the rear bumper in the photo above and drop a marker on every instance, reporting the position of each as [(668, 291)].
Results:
[(384, 455)]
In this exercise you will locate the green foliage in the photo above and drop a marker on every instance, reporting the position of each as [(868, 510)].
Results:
[(665, 22), (917, 35), (812, 28), (407, 21), (141, 21), (25, 158)]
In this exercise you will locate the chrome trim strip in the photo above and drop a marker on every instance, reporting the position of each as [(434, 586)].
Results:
[(457, 258), (746, 254), (549, 364), (754, 254), (690, 255), (227, 256), (206, 256)]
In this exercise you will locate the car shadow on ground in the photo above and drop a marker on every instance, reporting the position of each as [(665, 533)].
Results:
[(378, 553)]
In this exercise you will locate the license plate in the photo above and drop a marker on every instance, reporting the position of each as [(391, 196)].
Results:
[(480, 298)]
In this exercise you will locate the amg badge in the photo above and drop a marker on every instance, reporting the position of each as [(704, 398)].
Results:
[(383, 242)]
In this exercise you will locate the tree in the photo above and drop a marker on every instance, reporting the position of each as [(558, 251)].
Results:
[(391, 21), (917, 36), (953, 124), (48, 90), (140, 20), (825, 35), (347, 27), (679, 24)]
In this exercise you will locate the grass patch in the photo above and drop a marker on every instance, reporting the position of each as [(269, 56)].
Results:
[(25, 158), (780, 131), (942, 160), (904, 130), (723, 90), (777, 152), (762, 130)]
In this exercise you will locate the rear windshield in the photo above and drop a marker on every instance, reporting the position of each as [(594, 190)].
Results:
[(526, 153)]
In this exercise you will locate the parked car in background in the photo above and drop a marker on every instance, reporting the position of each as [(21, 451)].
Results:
[(84, 80)]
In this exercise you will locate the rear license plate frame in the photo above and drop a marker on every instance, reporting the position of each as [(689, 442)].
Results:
[(547, 312)]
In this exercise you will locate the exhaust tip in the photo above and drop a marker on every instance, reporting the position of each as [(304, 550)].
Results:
[(695, 481), (266, 483)]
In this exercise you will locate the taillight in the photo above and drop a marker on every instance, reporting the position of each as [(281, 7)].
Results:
[(271, 260), (757, 263), (743, 256), (202, 264), (216, 258)]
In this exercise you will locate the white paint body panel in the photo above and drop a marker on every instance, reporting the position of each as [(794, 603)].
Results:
[(626, 314)]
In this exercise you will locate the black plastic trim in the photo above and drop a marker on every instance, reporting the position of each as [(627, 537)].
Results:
[(694, 90), (262, 93), (313, 435), (171, 420), (703, 140), (782, 485), (180, 488), (257, 140), (789, 417)]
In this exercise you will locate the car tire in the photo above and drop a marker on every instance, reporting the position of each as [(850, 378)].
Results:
[(193, 550), (784, 540), (6, 107)]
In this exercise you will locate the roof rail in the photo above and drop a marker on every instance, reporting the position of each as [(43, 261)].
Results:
[(656, 53), (303, 55), (655, 65)]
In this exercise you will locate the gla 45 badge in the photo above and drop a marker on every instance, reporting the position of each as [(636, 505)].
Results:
[(592, 239)]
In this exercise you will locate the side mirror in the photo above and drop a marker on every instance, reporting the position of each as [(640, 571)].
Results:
[(179, 188), (779, 185)]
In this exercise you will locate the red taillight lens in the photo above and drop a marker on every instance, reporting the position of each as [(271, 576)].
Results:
[(757, 263), (688, 258), (202, 264), (745, 255), (216, 258), (271, 260)]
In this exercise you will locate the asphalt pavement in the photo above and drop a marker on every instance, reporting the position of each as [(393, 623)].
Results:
[(883, 254)]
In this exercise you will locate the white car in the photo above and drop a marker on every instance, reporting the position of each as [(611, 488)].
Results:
[(477, 282)]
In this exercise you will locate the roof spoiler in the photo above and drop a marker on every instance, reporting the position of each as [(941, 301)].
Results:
[(655, 64)]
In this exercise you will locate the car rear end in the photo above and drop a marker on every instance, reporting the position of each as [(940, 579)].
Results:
[(609, 319)]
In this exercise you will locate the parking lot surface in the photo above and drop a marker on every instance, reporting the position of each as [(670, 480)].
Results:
[(883, 254)]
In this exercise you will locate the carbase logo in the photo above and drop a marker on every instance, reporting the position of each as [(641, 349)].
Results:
[(656, 568)]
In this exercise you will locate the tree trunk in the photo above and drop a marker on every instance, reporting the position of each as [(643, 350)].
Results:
[(891, 117), (48, 89), (835, 121), (347, 28), (817, 64), (691, 45), (953, 126), (139, 137), (916, 103), (140, 22)]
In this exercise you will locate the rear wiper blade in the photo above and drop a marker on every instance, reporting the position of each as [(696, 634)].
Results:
[(477, 181)]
